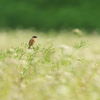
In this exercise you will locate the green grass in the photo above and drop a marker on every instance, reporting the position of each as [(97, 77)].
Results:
[(59, 66)]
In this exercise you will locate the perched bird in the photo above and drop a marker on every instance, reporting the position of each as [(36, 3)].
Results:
[(32, 41)]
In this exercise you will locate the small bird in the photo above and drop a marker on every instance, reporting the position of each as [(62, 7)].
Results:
[(32, 41)]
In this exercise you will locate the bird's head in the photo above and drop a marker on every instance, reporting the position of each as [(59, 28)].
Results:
[(34, 36)]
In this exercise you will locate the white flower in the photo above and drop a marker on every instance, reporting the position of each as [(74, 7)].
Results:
[(77, 31), (62, 89), (49, 77), (66, 49), (23, 62), (29, 51), (11, 50)]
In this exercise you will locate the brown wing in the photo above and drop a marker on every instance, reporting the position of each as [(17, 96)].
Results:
[(31, 42)]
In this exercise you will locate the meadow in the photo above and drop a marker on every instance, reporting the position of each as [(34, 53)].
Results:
[(60, 66)]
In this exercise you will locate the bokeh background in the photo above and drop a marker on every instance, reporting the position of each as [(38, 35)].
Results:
[(50, 14), (63, 63)]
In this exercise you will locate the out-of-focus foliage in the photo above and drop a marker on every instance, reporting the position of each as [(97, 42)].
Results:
[(65, 68), (48, 14)]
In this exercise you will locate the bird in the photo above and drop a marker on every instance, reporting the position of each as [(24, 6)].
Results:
[(32, 41)]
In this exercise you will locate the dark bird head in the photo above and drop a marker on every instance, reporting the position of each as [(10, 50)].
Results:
[(34, 36)]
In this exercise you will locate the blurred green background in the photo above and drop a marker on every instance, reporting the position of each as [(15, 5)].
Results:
[(50, 14)]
